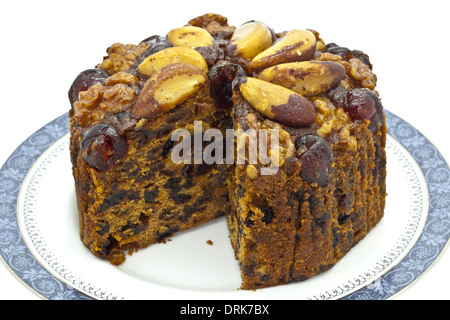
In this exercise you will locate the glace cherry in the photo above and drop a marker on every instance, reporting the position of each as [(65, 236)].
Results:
[(102, 145), (361, 104), (221, 77), (84, 80), (317, 157)]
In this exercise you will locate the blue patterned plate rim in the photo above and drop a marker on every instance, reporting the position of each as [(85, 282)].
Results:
[(426, 251)]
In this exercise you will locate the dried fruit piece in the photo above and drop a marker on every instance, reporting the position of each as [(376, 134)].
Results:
[(343, 52), (84, 81), (221, 77), (278, 103), (154, 39), (250, 39), (102, 145), (308, 78), (361, 104), (169, 56), (295, 45), (190, 36), (156, 43), (317, 157), (167, 88)]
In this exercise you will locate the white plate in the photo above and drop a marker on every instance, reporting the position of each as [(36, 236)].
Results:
[(187, 267)]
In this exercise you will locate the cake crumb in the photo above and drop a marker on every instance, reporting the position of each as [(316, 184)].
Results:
[(209, 242)]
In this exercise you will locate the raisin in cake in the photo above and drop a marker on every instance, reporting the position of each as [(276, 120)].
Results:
[(294, 209)]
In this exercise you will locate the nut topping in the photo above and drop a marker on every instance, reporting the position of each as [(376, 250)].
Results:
[(362, 73), (121, 57), (167, 88), (190, 36), (278, 103), (295, 45), (169, 56), (250, 39), (308, 78)]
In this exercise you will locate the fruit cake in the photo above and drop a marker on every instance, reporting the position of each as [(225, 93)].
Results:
[(279, 133)]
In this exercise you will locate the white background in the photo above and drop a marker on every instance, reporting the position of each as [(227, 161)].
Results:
[(45, 44)]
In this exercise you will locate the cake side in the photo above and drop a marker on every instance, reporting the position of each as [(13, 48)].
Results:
[(260, 223), (300, 222)]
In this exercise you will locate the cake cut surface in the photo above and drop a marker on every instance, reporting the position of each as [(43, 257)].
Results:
[(280, 133)]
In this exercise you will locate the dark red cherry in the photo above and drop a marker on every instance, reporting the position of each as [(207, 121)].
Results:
[(340, 51), (221, 78), (84, 80), (376, 121), (338, 96), (362, 56), (361, 104), (102, 145), (154, 39), (156, 43), (317, 157)]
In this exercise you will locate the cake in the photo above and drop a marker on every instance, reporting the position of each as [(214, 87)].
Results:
[(280, 133)]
